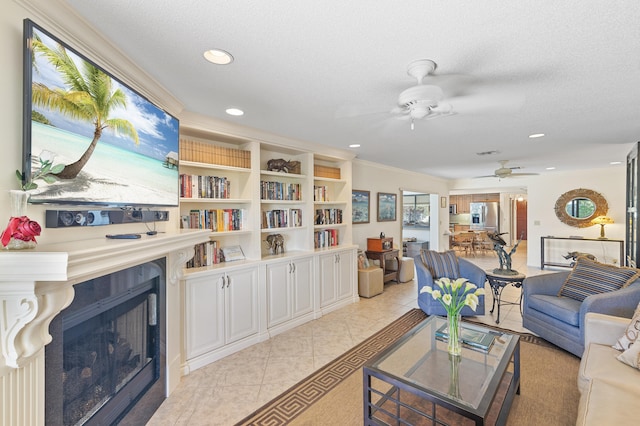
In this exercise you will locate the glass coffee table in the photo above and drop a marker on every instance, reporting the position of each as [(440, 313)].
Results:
[(416, 381)]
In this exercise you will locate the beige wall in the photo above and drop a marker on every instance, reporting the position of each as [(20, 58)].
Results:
[(376, 178)]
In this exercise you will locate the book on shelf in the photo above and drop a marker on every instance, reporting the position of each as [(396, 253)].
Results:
[(206, 254), (325, 238), (328, 216), (320, 193), (281, 218), (201, 186), (475, 339), (216, 220), (280, 191)]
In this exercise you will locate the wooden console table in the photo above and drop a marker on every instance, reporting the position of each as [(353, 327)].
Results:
[(544, 263), (382, 256)]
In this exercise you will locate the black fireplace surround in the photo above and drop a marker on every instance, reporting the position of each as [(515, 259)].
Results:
[(105, 364)]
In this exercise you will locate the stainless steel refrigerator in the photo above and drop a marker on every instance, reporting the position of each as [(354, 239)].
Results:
[(485, 216)]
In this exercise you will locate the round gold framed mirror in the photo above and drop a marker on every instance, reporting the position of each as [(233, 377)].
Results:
[(579, 207)]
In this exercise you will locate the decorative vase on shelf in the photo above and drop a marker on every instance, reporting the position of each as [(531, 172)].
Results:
[(454, 344), (21, 231)]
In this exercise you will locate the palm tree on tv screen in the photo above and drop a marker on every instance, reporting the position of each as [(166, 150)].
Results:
[(88, 96)]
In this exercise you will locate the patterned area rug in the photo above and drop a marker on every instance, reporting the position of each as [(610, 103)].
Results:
[(293, 402)]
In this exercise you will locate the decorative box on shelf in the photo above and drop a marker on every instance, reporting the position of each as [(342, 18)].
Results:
[(379, 244), (202, 152), (326, 172)]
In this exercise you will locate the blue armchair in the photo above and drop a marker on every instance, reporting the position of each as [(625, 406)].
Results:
[(468, 270), (560, 320)]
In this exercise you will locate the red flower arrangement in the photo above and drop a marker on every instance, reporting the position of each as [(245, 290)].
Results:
[(20, 228)]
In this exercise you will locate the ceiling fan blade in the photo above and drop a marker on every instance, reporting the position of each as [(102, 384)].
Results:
[(352, 111), (487, 103)]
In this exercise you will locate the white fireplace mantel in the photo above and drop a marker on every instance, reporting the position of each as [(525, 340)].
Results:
[(36, 285)]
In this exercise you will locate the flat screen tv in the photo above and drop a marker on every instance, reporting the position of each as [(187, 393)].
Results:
[(118, 149)]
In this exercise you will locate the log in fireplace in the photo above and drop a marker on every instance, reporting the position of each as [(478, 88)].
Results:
[(106, 360)]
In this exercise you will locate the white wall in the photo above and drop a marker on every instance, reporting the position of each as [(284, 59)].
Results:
[(376, 178)]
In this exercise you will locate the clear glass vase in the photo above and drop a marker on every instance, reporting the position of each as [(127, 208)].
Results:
[(454, 379), (18, 208), (454, 344), (18, 202)]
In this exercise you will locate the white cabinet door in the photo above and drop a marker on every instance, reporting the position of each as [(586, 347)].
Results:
[(278, 293), (204, 314), (241, 294), (344, 274), (327, 277), (302, 286)]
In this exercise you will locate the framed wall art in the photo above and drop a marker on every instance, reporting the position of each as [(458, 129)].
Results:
[(387, 207), (360, 206)]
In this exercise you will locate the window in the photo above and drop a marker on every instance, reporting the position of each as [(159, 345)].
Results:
[(415, 210)]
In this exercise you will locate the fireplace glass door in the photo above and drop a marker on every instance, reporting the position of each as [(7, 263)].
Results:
[(110, 346)]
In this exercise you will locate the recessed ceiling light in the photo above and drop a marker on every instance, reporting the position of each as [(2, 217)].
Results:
[(354, 145), (536, 135), (234, 111), (615, 163), (550, 168), (218, 57)]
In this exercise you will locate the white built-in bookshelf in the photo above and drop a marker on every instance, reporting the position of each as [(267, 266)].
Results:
[(226, 186)]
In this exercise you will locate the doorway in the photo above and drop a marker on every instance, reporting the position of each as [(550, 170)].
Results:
[(521, 219), (420, 220)]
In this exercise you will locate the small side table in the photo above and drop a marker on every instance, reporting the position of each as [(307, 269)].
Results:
[(498, 283), (381, 256)]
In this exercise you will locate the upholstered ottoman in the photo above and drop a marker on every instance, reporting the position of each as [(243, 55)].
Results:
[(407, 268), (370, 282)]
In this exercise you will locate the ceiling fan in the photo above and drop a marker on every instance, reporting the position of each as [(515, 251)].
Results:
[(422, 100), (506, 172), (441, 95), (427, 100)]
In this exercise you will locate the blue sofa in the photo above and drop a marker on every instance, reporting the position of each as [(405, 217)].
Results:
[(433, 307), (560, 320)]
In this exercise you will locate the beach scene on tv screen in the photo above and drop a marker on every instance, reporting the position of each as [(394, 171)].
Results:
[(117, 148)]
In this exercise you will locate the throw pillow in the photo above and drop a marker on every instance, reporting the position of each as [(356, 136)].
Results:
[(441, 265), (632, 355), (631, 333), (590, 277)]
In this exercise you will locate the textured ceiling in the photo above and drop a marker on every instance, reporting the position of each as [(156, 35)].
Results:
[(330, 72)]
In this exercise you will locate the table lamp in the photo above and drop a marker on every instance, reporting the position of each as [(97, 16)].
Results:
[(602, 221)]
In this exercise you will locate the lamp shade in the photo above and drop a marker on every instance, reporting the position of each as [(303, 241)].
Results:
[(602, 220)]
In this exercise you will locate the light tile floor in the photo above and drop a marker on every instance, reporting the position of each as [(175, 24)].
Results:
[(228, 390)]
